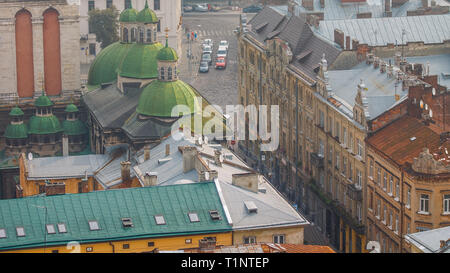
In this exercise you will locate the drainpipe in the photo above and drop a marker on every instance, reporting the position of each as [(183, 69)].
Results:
[(113, 248)]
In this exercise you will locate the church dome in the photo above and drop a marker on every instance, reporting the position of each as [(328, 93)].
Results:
[(140, 61), (147, 16), (74, 127), (71, 108), (159, 97), (167, 54), (18, 129), (43, 101), (43, 125), (16, 111), (128, 15)]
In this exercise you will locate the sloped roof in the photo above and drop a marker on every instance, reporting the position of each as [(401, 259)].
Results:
[(108, 207), (269, 16), (264, 248), (429, 241)]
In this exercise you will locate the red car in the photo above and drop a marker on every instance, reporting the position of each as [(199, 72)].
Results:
[(221, 63)]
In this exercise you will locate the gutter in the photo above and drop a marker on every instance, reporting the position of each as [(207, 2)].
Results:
[(222, 200)]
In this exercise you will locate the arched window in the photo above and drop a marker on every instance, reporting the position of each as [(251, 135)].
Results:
[(149, 35), (133, 35), (141, 35), (125, 35), (52, 52), (175, 72), (154, 36), (162, 73), (169, 73)]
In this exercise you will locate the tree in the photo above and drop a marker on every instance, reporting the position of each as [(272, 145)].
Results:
[(104, 23)]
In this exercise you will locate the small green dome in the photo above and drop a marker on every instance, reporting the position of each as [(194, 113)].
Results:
[(159, 97), (167, 54), (16, 111), (74, 127), (71, 108), (43, 101), (16, 131), (43, 125), (128, 15), (147, 15)]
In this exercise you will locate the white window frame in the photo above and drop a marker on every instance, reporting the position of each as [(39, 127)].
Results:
[(20, 231), (251, 240), (278, 238), (408, 198), (424, 203), (446, 204), (359, 180), (391, 184), (93, 225), (193, 217)]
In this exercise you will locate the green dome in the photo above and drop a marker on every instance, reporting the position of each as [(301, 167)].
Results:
[(16, 131), (128, 15), (43, 101), (44, 125), (167, 54), (16, 111), (147, 15), (74, 127), (159, 97), (132, 60), (71, 108)]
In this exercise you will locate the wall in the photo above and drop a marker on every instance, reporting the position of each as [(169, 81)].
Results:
[(293, 235)]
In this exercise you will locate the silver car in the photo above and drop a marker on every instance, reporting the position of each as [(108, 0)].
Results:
[(204, 67)]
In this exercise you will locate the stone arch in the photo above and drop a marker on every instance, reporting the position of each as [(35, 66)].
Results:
[(24, 53), (52, 52)]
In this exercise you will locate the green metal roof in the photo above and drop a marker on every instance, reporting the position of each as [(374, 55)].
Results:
[(16, 111), (128, 15), (140, 61), (108, 207), (167, 54), (74, 127), (159, 97), (16, 131), (43, 101), (147, 15), (71, 108), (43, 125)]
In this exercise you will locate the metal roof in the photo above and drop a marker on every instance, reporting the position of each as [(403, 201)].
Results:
[(430, 29), (108, 208), (429, 241), (439, 65)]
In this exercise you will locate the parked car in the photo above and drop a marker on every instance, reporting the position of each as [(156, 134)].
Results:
[(252, 9), (207, 49), (201, 8), (223, 43), (207, 58), (222, 52), (204, 67), (208, 42), (188, 8), (221, 63)]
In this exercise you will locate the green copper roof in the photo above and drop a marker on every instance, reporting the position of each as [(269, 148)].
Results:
[(130, 60), (147, 15), (167, 54), (44, 125), (70, 108), (128, 15), (16, 111), (16, 131), (43, 101), (74, 127), (159, 97), (108, 208), (140, 61)]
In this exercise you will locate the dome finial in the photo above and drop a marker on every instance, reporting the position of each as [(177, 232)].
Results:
[(167, 36), (146, 4)]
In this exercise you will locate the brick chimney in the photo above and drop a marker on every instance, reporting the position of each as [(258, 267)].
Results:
[(322, 3), (308, 4), (125, 171), (189, 154), (146, 152), (207, 175), (150, 179), (387, 5), (347, 43), (355, 44), (339, 37), (217, 157), (247, 181), (55, 189)]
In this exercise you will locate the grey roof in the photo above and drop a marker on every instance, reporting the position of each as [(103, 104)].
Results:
[(335, 10), (430, 29), (151, 128), (439, 65), (429, 241), (274, 19), (380, 92)]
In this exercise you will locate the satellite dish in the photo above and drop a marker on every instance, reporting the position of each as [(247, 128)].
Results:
[(207, 175), (433, 91), (30, 156), (431, 113)]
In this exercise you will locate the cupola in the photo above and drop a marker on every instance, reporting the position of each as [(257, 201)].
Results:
[(167, 62)]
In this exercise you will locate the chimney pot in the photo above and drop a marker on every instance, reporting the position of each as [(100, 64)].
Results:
[(146, 152), (167, 149), (217, 157), (150, 179), (125, 170)]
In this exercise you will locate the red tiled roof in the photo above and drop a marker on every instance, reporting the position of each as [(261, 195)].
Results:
[(265, 248), (293, 248)]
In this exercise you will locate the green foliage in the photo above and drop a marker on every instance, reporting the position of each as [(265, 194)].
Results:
[(104, 23)]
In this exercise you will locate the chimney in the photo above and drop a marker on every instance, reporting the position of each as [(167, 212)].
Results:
[(355, 44), (146, 152), (207, 243), (150, 179), (247, 181), (370, 58), (376, 62), (339, 37), (65, 145), (167, 149), (125, 170), (347, 43), (383, 67), (308, 4), (390, 70), (387, 5), (189, 154), (55, 188), (207, 175), (218, 158)]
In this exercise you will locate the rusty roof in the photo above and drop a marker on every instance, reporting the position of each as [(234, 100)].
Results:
[(265, 248)]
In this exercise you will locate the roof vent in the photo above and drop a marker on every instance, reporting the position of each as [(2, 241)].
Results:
[(126, 222), (164, 160), (251, 207), (215, 215), (262, 190)]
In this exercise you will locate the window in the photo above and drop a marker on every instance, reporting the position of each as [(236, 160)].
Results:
[(169, 73), (193, 216), (127, 4), (330, 156), (397, 189), (390, 218), (141, 35), (408, 228), (384, 181), (162, 73), (424, 202), (351, 142), (20, 231), (337, 160), (350, 170), (108, 4), (214, 215), (371, 201), (379, 208), (127, 222), (321, 119), (371, 169), (2, 233), (360, 147), (126, 246), (149, 35), (278, 239), (446, 205), (408, 198), (337, 130), (359, 212), (330, 184), (385, 215), (359, 178), (156, 5), (344, 135), (92, 51), (62, 228), (151, 244), (93, 225), (378, 176), (250, 240), (125, 34), (160, 220), (91, 5), (420, 229), (50, 229), (344, 165), (396, 223), (391, 184), (321, 148)]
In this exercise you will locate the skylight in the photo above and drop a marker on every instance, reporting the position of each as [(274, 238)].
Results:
[(20, 231), (126, 222), (93, 225), (214, 214), (193, 216), (2, 233), (50, 229), (62, 228), (160, 220)]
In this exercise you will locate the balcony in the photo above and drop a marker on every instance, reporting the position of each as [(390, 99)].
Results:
[(354, 193), (317, 160)]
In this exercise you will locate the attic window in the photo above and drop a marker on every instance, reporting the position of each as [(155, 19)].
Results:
[(193, 216), (259, 27), (251, 207), (50, 229), (20, 231), (2, 233), (93, 225), (160, 220), (62, 228), (214, 215), (303, 55), (126, 222)]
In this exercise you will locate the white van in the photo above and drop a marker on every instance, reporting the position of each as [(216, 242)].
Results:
[(222, 52)]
